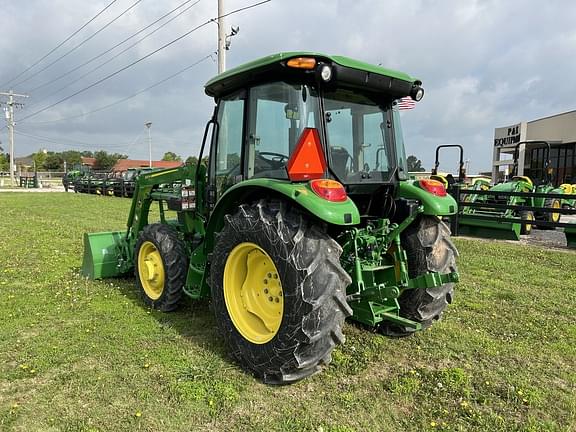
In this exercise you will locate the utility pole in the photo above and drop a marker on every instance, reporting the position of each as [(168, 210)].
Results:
[(9, 110), (148, 124), (221, 38)]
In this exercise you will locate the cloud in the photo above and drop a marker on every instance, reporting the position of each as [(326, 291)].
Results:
[(484, 64)]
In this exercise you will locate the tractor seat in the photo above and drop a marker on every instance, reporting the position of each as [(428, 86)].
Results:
[(442, 179), (568, 188), (340, 157), (524, 179)]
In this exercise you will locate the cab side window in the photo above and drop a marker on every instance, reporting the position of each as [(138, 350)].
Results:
[(226, 161)]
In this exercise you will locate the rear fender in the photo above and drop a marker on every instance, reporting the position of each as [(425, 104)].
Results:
[(433, 205), (334, 213)]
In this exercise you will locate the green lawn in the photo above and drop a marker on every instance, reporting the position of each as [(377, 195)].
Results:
[(77, 355)]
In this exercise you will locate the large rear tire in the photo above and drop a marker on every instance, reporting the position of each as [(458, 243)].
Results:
[(429, 248), (161, 265), (278, 292)]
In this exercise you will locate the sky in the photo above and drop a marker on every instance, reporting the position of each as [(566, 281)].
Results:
[(483, 64)]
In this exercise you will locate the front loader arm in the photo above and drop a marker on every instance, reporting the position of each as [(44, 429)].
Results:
[(148, 188)]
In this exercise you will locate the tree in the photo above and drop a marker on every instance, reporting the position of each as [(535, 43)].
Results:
[(4, 162), (53, 161), (39, 158), (191, 160), (105, 161), (72, 157), (171, 156), (414, 164)]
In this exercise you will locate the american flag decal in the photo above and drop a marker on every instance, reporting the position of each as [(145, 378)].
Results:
[(406, 103)]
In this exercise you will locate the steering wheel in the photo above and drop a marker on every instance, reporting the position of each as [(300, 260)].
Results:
[(278, 158)]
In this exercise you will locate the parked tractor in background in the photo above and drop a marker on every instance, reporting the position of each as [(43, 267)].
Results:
[(70, 178), (303, 217), (570, 190), (125, 183), (516, 183), (448, 180)]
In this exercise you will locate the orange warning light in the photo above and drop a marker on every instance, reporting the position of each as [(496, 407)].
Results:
[(302, 63), (307, 161)]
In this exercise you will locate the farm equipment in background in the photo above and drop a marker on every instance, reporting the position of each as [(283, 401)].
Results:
[(570, 190), (494, 205), (90, 183), (125, 183), (303, 217), (106, 183), (69, 178), (449, 182)]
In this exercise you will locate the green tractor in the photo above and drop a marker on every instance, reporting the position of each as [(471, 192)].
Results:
[(570, 191), (69, 178), (124, 184), (508, 229), (304, 216)]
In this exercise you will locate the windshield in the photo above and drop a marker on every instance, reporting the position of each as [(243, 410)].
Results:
[(359, 137), (281, 111)]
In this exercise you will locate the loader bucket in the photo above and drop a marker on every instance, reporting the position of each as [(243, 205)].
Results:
[(489, 229), (101, 254)]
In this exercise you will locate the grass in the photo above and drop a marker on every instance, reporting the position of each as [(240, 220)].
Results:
[(78, 355)]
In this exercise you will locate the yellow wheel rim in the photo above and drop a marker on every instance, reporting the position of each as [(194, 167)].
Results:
[(253, 293), (529, 217), (556, 216), (151, 270)]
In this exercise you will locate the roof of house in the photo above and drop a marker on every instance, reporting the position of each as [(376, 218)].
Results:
[(124, 164), (90, 161)]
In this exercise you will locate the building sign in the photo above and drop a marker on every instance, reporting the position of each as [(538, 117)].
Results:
[(507, 136)]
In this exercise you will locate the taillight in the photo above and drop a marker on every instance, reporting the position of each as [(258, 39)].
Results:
[(307, 161), (330, 190), (433, 186)]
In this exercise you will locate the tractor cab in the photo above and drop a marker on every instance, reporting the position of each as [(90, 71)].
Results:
[(304, 116)]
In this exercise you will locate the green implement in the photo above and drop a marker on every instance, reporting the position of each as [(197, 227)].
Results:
[(503, 215), (101, 254)]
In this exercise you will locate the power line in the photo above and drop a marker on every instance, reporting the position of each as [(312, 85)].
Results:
[(117, 55), (60, 44), (114, 47), (141, 59), (81, 43), (102, 108), (64, 142)]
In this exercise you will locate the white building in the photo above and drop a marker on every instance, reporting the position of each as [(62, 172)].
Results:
[(559, 130)]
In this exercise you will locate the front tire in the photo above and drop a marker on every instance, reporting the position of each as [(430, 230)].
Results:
[(526, 215), (429, 249), (550, 203), (266, 246), (552, 217), (161, 266)]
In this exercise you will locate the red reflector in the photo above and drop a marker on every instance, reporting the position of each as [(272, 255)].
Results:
[(307, 161), (330, 190), (433, 186)]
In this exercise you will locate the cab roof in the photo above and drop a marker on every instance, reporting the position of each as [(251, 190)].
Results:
[(250, 72)]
